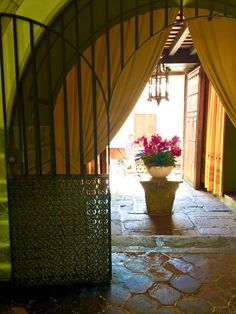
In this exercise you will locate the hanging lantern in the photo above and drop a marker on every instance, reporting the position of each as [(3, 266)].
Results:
[(159, 83)]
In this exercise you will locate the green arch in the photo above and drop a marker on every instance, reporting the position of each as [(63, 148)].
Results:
[(50, 12), (44, 11)]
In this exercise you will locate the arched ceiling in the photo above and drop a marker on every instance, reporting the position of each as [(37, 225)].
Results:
[(10, 6), (41, 10), (44, 10), (48, 12)]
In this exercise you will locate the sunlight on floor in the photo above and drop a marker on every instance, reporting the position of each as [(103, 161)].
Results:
[(126, 182)]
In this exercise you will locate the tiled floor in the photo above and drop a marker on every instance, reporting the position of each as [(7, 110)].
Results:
[(145, 280), (185, 263), (194, 212)]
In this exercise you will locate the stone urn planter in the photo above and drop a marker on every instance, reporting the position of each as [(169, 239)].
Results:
[(159, 172), (160, 195)]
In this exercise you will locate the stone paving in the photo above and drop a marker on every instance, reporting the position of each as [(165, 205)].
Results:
[(194, 212), (145, 281), (185, 263)]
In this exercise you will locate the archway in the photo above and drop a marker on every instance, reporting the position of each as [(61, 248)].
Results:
[(98, 38)]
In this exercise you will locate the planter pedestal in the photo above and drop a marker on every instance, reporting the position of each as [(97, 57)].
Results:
[(160, 195)]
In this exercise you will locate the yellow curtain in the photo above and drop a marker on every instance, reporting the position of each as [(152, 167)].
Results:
[(214, 143), (126, 86), (215, 42), (135, 75)]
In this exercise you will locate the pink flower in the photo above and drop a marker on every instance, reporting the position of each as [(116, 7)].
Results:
[(159, 150), (176, 151), (156, 139), (175, 139)]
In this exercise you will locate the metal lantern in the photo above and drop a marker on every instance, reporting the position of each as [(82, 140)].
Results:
[(159, 83)]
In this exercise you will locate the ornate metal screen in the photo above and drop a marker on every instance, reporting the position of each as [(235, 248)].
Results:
[(59, 208), (61, 229)]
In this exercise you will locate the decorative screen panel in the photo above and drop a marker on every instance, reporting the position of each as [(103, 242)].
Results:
[(61, 229)]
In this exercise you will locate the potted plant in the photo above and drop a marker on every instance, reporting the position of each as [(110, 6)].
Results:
[(159, 155)]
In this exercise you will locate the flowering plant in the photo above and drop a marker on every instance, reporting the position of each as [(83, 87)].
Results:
[(158, 151)]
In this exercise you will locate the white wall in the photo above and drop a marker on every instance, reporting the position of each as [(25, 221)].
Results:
[(169, 113)]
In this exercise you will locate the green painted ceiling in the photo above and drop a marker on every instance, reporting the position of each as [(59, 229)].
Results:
[(45, 10), (10, 5)]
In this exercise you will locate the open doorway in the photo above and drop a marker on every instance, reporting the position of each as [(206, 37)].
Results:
[(195, 212), (148, 118), (128, 201)]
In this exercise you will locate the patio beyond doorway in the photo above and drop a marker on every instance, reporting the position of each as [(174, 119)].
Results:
[(195, 212)]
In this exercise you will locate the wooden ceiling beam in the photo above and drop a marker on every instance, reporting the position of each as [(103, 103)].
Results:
[(181, 56), (179, 39)]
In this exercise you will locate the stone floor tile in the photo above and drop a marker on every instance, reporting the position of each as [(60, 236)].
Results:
[(155, 258), (139, 225), (119, 258), (178, 266), (190, 243), (213, 295), (133, 217), (214, 222), (138, 283), (169, 310), (205, 274), (160, 274), (120, 273), (195, 306), (136, 265), (116, 214), (207, 199), (181, 221), (116, 227), (223, 212), (119, 241), (165, 294), (190, 232), (197, 260), (115, 294), (214, 231), (141, 304), (138, 232), (185, 283)]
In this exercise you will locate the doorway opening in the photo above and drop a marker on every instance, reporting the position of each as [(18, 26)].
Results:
[(148, 118), (196, 212), (128, 206)]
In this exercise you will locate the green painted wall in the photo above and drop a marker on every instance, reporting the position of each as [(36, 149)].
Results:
[(229, 164), (5, 264)]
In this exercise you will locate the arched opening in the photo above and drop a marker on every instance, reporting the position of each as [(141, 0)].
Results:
[(37, 93)]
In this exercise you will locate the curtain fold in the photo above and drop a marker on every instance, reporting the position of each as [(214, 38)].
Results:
[(216, 53), (214, 143), (126, 85)]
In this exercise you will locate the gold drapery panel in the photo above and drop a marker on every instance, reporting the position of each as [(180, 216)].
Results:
[(214, 143), (216, 53), (126, 86)]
